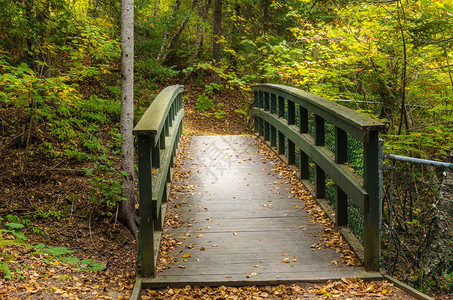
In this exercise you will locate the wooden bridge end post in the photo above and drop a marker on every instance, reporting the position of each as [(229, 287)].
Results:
[(256, 103), (146, 233), (371, 213)]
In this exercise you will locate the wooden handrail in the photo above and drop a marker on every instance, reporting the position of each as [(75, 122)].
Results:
[(275, 111), (153, 120), (356, 124), (158, 133)]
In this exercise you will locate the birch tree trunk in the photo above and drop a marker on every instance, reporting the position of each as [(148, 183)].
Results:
[(166, 46), (127, 212), (167, 34), (439, 263)]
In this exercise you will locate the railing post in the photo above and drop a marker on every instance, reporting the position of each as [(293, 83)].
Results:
[(267, 128), (155, 149), (281, 114), (255, 99), (303, 119), (291, 113), (266, 101), (303, 160), (281, 107), (341, 157), (303, 157), (320, 178), (371, 213), (273, 136), (146, 233), (273, 104), (256, 103), (261, 99), (291, 152), (281, 143)]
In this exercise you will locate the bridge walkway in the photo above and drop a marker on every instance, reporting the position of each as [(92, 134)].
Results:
[(241, 225)]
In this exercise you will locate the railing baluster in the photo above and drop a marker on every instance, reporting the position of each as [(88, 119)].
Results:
[(281, 143), (155, 149), (281, 107), (273, 136), (261, 99), (273, 104), (266, 101), (162, 140), (291, 113), (304, 165), (267, 133), (320, 131), (167, 127), (291, 152), (303, 119), (341, 157), (320, 181)]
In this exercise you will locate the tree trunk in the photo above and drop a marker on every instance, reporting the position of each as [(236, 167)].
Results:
[(127, 212), (167, 34), (266, 5), (203, 11), (216, 44), (156, 9), (438, 264), (166, 46), (163, 57)]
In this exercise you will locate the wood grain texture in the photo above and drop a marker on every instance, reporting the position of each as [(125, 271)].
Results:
[(240, 222)]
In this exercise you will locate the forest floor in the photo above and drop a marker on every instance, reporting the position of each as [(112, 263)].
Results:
[(71, 248)]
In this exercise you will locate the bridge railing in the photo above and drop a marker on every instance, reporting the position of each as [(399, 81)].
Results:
[(158, 133), (296, 122)]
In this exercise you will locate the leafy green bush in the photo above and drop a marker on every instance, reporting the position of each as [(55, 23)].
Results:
[(204, 103)]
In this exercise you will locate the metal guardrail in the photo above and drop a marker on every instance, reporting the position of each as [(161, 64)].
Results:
[(275, 114), (417, 223), (158, 133)]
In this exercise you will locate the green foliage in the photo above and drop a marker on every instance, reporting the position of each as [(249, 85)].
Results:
[(150, 68), (4, 270), (106, 180), (204, 103), (220, 114), (60, 254), (15, 229)]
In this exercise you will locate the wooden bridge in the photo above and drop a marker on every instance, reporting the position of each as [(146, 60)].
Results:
[(241, 223)]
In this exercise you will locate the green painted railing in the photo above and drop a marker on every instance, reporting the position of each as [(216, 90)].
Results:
[(158, 133), (284, 117)]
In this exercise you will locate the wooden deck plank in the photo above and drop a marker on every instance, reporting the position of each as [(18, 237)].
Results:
[(240, 221)]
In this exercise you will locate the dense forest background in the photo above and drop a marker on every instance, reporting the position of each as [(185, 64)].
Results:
[(60, 86)]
